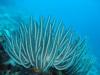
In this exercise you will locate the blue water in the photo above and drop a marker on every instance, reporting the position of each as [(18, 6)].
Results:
[(83, 15)]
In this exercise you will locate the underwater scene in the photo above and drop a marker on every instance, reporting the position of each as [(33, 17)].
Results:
[(49, 37)]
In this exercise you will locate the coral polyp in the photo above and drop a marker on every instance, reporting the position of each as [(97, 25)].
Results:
[(44, 44)]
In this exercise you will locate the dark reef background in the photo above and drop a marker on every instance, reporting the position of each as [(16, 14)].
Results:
[(83, 15)]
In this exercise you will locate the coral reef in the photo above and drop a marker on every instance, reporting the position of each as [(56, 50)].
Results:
[(9, 73), (47, 48), (44, 45)]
